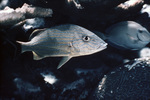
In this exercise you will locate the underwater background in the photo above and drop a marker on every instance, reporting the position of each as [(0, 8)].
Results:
[(112, 74)]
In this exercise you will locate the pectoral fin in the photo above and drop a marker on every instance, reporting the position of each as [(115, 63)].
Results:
[(63, 61), (36, 56)]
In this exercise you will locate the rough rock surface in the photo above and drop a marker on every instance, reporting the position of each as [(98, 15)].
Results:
[(126, 83)]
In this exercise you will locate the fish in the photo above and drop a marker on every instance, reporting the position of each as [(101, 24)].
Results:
[(66, 41), (126, 35)]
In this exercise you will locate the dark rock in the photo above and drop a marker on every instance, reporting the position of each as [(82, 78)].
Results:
[(130, 81), (99, 13)]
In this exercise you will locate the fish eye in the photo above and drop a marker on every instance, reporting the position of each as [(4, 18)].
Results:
[(140, 30), (86, 38)]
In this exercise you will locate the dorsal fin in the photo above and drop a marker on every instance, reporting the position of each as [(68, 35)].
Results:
[(35, 33)]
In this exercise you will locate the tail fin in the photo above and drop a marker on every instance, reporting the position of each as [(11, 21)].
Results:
[(100, 34), (24, 46)]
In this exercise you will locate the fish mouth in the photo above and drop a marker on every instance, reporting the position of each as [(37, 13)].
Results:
[(104, 46)]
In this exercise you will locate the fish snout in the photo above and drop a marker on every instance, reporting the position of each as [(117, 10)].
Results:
[(143, 36), (103, 46)]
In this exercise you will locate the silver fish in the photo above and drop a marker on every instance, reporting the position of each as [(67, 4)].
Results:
[(127, 35), (65, 41)]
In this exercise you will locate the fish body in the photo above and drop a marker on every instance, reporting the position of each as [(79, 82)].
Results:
[(126, 35), (65, 41)]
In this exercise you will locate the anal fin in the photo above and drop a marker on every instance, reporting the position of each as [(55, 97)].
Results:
[(63, 61)]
